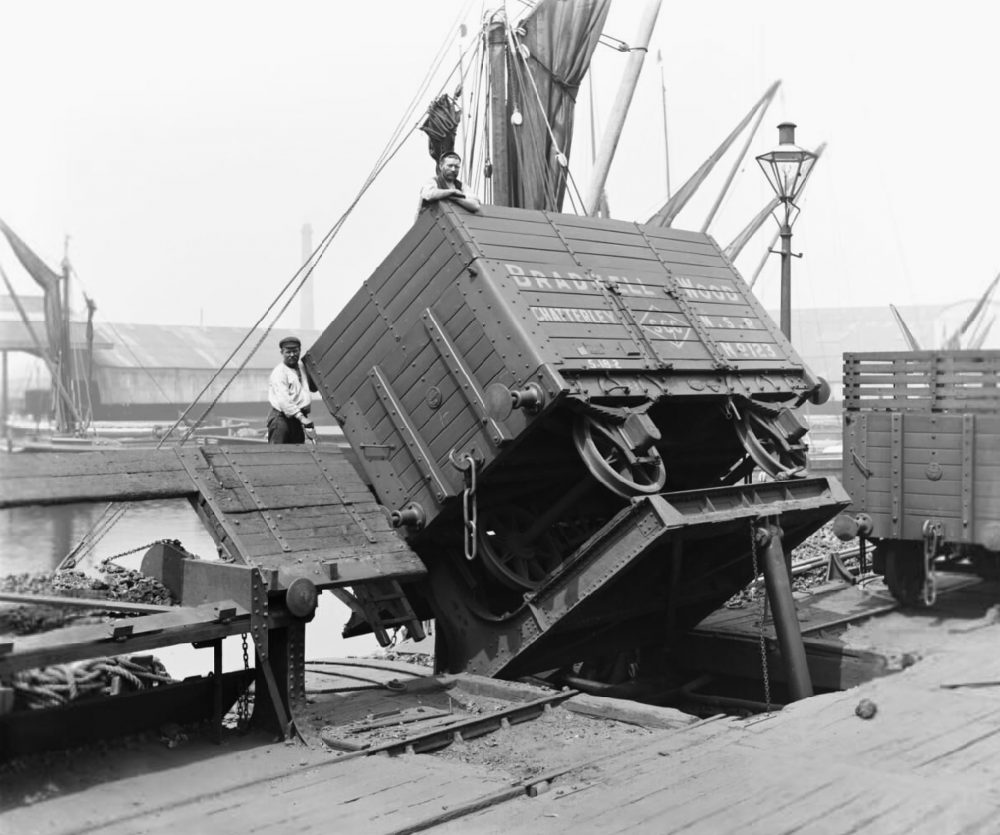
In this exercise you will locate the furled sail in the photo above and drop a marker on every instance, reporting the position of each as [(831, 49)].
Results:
[(48, 280), (440, 125), (545, 60)]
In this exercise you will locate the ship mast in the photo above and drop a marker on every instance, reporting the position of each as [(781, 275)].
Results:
[(616, 120), (500, 177)]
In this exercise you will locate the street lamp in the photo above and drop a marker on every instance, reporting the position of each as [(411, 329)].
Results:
[(786, 169)]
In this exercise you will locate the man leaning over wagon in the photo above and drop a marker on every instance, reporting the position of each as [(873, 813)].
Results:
[(288, 394), (446, 185)]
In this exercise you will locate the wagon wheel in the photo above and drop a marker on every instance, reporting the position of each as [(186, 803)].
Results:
[(613, 463), (768, 448), (512, 552)]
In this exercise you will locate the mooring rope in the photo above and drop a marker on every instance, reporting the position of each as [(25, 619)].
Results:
[(57, 685)]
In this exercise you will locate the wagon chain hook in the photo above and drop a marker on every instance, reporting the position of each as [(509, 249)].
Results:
[(763, 617), (932, 542), (470, 511), (243, 702)]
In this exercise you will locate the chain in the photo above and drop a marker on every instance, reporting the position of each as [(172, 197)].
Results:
[(243, 702), (932, 541), (176, 542), (470, 511), (763, 617)]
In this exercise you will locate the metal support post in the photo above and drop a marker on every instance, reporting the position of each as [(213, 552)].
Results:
[(280, 686), (786, 280), (499, 125), (270, 706), (778, 582), (5, 386), (217, 692)]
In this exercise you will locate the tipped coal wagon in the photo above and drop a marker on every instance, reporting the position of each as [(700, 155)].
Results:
[(584, 427)]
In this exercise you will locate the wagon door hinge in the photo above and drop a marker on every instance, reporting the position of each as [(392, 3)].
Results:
[(860, 465), (719, 361), (612, 295), (468, 386)]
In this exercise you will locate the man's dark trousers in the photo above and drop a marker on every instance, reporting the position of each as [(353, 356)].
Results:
[(284, 430)]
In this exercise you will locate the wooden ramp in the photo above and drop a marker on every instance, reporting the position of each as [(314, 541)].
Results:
[(289, 522), (289, 510), (296, 510)]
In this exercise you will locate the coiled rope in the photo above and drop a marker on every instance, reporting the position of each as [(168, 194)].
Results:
[(59, 684)]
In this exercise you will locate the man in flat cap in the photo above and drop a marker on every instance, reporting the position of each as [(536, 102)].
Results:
[(288, 394), (445, 185)]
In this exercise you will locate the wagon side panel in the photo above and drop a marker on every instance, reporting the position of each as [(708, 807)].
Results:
[(922, 442)]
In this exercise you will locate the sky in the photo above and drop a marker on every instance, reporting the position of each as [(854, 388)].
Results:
[(182, 146)]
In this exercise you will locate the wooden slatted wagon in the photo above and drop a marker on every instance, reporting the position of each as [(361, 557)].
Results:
[(922, 461), (522, 387)]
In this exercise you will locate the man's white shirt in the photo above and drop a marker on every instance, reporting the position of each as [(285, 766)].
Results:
[(286, 391)]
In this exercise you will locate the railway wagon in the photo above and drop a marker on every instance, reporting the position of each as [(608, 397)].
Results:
[(922, 461), (514, 381)]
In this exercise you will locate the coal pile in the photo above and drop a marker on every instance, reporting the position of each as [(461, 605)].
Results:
[(112, 582), (809, 567)]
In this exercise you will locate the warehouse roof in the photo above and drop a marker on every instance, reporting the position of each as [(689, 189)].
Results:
[(188, 346)]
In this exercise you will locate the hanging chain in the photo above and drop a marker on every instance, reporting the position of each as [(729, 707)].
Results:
[(470, 511), (243, 702), (932, 541), (176, 542), (763, 617)]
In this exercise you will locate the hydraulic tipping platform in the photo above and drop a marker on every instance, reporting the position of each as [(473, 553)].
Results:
[(652, 572)]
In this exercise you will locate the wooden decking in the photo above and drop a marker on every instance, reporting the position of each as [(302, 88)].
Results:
[(727, 642), (928, 761)]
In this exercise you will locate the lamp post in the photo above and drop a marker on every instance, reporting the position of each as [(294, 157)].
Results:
[(786, 169)]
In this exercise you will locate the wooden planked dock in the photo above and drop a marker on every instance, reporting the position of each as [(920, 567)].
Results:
[(115, 475), (927, 762), (727, 642)]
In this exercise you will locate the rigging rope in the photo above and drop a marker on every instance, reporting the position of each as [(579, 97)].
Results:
[(57, 685), (578, 209), (110, 516), (471, 141), (392, 147), (538, 163), (113, 513), (317, 254)]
